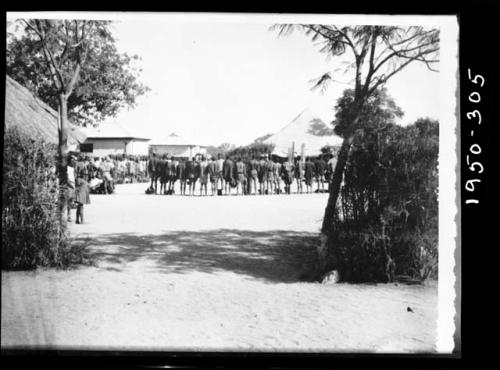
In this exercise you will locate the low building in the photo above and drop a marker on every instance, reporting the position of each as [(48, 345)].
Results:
[(113, 139), (177, 146), (25, 111)]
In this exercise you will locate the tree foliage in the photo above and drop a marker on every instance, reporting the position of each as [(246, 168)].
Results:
[(31, 234), (254, 149), (387, 224), (105, 83), (223, 149), (379, 109), (262, 138), (319, 128), (377, 54)]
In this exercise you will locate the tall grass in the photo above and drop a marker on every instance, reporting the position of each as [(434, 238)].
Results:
[(387, 218), (31, 235)]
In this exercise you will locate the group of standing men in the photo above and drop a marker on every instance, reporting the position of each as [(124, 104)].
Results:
[(234, 175)]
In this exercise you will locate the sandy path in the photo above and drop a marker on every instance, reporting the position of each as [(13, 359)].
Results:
[(224, 273)]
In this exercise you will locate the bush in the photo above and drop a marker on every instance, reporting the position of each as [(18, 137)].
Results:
[(31, 235), (387, 220), (254, 149)]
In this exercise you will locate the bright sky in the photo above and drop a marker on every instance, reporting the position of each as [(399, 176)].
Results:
[(216, 82)]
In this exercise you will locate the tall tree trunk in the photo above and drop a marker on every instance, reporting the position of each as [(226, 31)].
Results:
[(326, 247), (334, 189), (63, 161)]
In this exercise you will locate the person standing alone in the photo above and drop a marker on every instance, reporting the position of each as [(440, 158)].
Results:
[(82, 196)]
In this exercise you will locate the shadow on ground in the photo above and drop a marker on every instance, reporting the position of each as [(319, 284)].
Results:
[(272, 256)]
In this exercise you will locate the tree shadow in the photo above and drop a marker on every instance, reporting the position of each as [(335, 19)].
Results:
[(270, 256)]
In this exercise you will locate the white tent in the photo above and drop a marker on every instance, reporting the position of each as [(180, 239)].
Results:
[(305, 129)]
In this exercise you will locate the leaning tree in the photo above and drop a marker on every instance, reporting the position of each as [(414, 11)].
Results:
[(377, 53), (74, 66)]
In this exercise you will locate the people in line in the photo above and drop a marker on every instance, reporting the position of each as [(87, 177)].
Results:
[(103, 173), (206, 175)]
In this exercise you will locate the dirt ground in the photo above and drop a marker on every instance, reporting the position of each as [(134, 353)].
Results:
[(208, 274)]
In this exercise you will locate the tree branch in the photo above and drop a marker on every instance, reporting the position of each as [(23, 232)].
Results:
[(49, 59), (400, 53), (66, 44), (383, 79), (351, 44), (74, 78)]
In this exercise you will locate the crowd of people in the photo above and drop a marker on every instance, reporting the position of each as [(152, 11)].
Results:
[(227, 175), (224, 175), (103, 173)]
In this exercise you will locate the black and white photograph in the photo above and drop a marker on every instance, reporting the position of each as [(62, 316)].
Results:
[(209, 182)]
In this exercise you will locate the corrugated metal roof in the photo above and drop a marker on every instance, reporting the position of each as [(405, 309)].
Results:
[(24, 110), (305, 129)]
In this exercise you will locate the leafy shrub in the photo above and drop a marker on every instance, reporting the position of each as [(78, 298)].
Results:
[(387, 218), (246, 152), (31, 235)]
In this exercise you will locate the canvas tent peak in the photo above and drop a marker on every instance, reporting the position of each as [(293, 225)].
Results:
[(307, 130)]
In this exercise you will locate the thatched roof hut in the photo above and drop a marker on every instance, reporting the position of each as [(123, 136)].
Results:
[(24, 110)]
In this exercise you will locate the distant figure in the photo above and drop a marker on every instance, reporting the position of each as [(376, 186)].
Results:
[(277, 176), (247, 189), (299, 174), (287, 173), (82, 196), (191, 176), (254, 175), (197, 172), (163, 166), (212, 175), (106, 167), (203, 175), (332, 163), (228, 173), (240, 176), (219, 166), (308, 174), (70, 190), (182, 175), (262, 173), (153, 170), (320, 168), (80, 164), (270, 176), (172, 175)]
